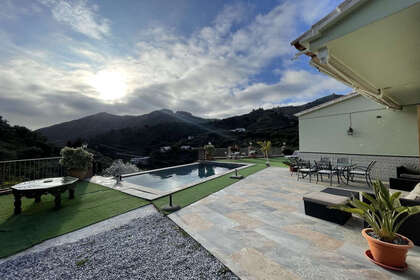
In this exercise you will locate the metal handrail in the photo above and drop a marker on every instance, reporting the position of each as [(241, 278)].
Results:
[(16, 171), (29, 159)]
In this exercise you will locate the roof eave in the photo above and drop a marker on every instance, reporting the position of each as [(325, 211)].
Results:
[(327, 104), (329, 20)]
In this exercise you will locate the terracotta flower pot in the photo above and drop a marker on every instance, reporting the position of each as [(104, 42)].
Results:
[(78, 173), (387, 253)]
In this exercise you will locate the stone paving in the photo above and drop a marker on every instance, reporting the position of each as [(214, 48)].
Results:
[(257, 227)]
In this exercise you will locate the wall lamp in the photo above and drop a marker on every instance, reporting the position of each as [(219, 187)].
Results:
[(350, 130)]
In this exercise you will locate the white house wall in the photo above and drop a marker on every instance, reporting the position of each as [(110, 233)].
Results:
[(377, 130)]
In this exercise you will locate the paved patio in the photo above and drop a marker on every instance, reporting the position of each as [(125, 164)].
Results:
[(257, 227)]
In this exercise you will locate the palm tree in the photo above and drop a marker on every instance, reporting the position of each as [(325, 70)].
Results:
[(265, 147)]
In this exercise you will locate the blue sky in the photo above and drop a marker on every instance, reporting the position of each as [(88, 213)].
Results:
[(61, 60)]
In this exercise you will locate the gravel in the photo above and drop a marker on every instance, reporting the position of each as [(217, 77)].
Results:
[(152, 247)]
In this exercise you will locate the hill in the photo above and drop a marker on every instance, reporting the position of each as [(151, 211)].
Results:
[(18, 142), (100, 123), (144, 134)]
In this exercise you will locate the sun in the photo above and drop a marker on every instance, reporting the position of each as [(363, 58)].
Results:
[(111, 85)]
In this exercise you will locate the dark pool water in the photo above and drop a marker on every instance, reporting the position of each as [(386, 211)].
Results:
[(172, 178)]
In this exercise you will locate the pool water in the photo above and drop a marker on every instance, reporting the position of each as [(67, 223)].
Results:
[(173, 178)]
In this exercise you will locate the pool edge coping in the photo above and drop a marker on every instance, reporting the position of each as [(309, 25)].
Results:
[(207, 179), (125, 186)]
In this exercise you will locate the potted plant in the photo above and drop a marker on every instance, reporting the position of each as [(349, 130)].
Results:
[(76, 161), (384, 213), (289, 163), (265, 147), (209, 150)]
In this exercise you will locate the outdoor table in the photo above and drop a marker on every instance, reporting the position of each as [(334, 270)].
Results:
[(36, 188), (344, 170)]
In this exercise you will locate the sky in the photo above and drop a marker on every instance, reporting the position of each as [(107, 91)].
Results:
[(62, 60)]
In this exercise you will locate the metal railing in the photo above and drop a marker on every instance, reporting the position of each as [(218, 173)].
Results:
[(222, 152), (16, 171)]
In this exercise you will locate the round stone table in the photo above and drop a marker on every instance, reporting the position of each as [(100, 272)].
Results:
[(36, 188)]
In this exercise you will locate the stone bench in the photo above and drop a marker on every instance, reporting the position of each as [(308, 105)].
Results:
[(317, 203)]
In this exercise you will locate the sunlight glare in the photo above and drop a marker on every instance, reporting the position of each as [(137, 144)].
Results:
[(111, 85)]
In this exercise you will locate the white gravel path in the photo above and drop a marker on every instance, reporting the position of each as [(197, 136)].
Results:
[(151, 247)]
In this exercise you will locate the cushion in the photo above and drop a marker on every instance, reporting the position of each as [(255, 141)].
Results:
[(415, 193), (307, 170), (326, 198), (358, 172), (410, 176), (412, 169)]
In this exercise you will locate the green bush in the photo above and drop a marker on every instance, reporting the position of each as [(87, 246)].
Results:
[(76, 158), (209, 148)]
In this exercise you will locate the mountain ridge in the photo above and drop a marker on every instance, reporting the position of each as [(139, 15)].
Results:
[(103, 125)]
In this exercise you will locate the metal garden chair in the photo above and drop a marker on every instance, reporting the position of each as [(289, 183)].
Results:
[(325, 168), (305, 169), (362, 171)]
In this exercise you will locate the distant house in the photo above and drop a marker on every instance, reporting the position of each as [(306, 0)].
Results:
[(190, 137), (185, 147), (165, 149), (140, 160), (239, 129), (360, 45)]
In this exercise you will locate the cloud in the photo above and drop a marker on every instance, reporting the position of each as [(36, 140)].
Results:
[(79, 16), (9, 10), (210, 72)]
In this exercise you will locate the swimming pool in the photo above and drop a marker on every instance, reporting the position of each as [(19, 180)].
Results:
[(178, 177)]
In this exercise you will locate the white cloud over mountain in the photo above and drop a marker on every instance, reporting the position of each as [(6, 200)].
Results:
[(213, 72)]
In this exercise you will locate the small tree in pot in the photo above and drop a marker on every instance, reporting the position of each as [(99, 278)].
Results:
[(76, 161), (265, 147), (385, 215), (209, 150)]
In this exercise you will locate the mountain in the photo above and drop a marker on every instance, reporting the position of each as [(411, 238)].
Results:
[(275, 118), (144, 134), (91, 126)]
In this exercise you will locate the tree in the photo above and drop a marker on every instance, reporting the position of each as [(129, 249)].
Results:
[(265, 147)]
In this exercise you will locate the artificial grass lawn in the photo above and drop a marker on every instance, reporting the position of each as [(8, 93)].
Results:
[(39, 221), (195, 193), (276, 162)]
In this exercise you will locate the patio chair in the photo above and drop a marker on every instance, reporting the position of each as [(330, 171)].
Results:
[(305, 169), (343, 161), (325, 168), (325, 159), (362, 171), (294, 165), (343, 165)]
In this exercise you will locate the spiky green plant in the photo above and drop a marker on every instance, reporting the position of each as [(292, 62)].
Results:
[(265, 147), (384, 212)]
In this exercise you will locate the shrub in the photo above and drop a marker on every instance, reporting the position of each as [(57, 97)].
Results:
[(118, 167), (209, 149), (76, 158)]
